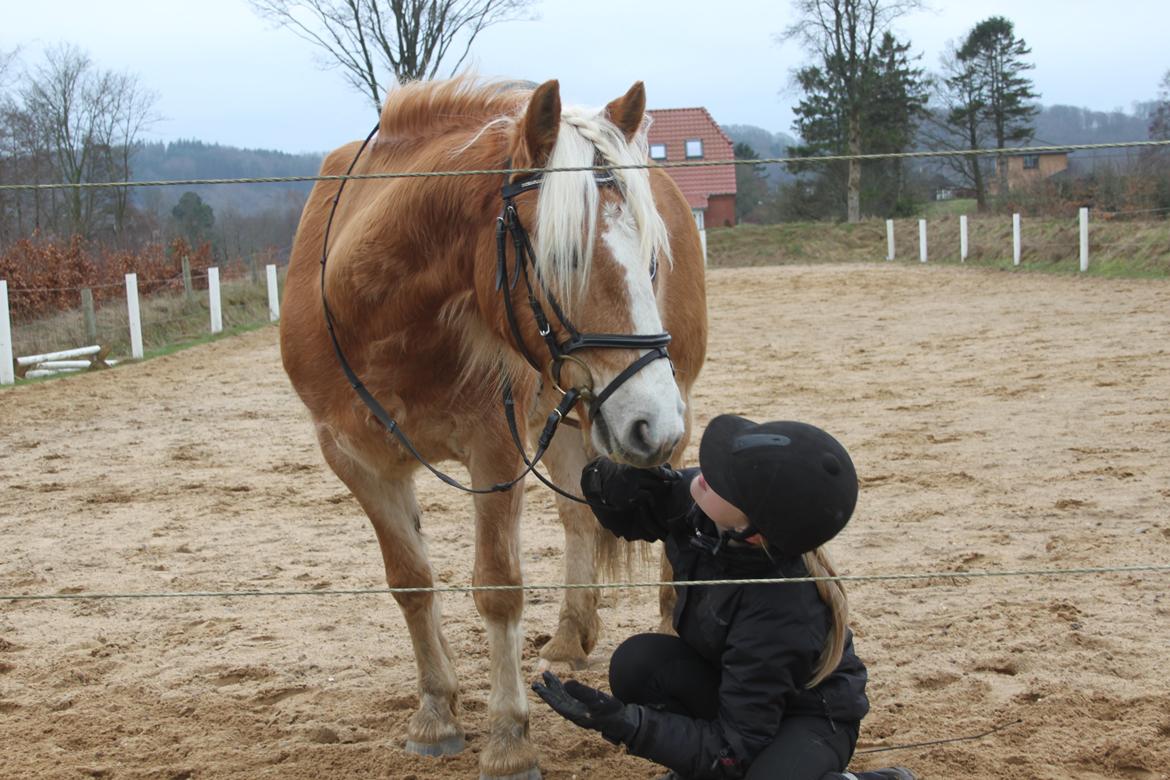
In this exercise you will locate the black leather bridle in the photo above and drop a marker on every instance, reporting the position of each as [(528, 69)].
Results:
[(560, 352), (507, 224)]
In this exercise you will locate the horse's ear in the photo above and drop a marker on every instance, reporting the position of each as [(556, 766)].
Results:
[(626, 112), (542, 122)]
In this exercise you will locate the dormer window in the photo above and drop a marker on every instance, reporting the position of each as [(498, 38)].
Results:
[(694, 148), (657, 151)]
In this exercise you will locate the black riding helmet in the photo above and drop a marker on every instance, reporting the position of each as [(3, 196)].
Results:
[(795, 483)]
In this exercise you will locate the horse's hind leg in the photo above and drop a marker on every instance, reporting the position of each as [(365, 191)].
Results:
[(391, 506), (508, 752), (579, 625)]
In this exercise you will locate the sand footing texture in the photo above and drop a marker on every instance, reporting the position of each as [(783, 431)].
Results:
[(998, 421)]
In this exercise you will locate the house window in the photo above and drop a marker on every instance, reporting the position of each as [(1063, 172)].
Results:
[(1031, 162), (694, 148), (657, 151)]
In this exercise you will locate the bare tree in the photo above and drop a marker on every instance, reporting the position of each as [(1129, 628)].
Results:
[(411, 39), (958, 123), (57, 99), (844, 36), (9, 160), (130, 111), (1160, 114), (85, 123)]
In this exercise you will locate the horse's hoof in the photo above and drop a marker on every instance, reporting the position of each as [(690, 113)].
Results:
[(531, 774), (564, 666), (444, 747)]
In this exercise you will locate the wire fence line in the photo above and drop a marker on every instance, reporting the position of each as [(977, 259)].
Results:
[(942, 577), (1000, 152)]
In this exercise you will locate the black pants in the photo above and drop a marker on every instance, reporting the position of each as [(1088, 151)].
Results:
[(665, 673)]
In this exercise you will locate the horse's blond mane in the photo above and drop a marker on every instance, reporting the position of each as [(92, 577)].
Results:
[(468, 109), (413, 110), (567, 216)]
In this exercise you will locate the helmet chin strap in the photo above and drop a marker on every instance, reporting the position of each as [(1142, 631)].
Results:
[(745, 534)]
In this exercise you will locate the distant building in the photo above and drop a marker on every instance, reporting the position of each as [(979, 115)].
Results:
[(1024, 169), (690, 134)]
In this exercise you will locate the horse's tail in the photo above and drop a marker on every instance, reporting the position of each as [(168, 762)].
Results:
[(617, 560)]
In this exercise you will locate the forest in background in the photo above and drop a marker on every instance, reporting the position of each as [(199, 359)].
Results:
[(65, 119)]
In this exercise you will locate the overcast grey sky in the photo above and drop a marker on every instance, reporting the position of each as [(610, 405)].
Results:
[(223, 75)]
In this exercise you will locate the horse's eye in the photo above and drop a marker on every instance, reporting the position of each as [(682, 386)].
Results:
[(653, 265)]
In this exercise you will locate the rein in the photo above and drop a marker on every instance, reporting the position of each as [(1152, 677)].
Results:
[(507, 224)]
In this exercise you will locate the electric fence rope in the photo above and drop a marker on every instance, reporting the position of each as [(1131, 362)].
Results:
[(946, 576), (1001, 152)]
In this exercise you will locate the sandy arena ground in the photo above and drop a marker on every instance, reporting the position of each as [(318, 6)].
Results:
[(998, 421)]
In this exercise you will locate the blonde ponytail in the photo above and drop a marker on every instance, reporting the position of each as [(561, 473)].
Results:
[(832, 593)]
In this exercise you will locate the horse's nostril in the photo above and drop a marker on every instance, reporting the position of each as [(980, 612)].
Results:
[(640, 436)]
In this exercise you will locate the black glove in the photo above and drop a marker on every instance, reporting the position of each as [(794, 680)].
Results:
[(620, 487), (589, 708)]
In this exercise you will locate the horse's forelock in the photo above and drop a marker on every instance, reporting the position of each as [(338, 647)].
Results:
[(568, 205)]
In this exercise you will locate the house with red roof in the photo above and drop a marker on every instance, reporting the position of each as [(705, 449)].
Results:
[(690, 134)]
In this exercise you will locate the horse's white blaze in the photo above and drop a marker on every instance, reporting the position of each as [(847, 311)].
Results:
[(644, 417), (651, 395)]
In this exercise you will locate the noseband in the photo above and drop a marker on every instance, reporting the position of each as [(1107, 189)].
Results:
[(560, 352), (507, 224)]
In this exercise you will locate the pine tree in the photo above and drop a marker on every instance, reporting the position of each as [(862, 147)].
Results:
[(844, 36), (896, 102), (894, 98), (996, 59)]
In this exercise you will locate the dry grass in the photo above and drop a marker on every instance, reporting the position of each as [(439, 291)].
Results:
[(169, 319), (1116, 248)]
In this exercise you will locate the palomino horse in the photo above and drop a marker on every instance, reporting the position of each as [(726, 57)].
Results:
[(436, 312)]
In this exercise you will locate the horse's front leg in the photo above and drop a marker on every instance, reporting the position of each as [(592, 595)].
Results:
[(508, 752), (390, 503), (585, 543)]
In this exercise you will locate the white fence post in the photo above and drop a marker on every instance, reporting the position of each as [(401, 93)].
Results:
[(1084, 239), (7, 369), (889, 239), (963, 246), (703, 241), (1015, 239), (135, 318), (273, 294), (213, 295), (922, 240)]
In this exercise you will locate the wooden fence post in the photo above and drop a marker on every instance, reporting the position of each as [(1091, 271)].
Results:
[(1016, 239), (7, 369), (889, 239), (963, 246), (1084, 239), (273, 294), (89, 315), (188, 285), (922, 240), (253, 268), (213, 296), (134, 316)]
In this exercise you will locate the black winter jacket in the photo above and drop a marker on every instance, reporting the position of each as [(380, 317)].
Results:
[(765, 639)]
